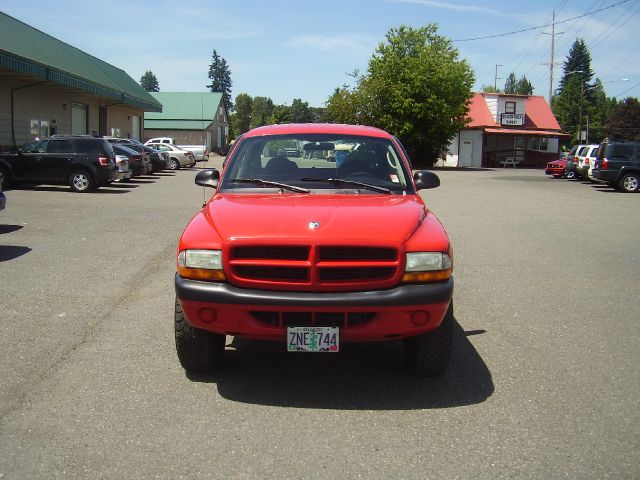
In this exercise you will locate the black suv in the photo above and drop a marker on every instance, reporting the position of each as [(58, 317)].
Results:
[(80, 161), (618, 164)]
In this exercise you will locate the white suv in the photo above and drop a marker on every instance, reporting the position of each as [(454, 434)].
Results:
[(586, 156), (165, 140)]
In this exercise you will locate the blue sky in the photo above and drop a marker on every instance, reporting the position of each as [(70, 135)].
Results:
[(304, 49)]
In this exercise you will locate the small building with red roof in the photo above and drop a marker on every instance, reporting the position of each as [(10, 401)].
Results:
[(507, 130)]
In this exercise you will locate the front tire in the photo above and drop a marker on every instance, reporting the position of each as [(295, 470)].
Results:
[(81, 181), (630, 183), (428, 355), (4, 178), (199, 351)]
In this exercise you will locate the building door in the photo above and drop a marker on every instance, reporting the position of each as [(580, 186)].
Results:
[(78, 119), (465, 158), (135, 127), (102, 120)]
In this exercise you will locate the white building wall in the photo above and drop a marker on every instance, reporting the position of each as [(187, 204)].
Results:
[(519, 101), (453, 159), (492, 105)]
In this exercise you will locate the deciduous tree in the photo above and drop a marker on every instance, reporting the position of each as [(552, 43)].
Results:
[(241, 118), (415, 87), (624, 123)]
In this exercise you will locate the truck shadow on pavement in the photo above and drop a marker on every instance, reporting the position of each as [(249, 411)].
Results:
[(366, 376), (11, 252)]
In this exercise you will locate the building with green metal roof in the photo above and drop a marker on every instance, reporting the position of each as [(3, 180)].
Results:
[(52, 87), (190, 118)]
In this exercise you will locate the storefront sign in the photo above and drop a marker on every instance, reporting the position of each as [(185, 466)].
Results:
[(512, 119)]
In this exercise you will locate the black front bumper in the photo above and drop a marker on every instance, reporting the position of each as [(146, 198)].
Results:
[(225, 294)]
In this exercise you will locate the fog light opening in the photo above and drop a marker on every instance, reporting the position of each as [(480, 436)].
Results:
[(207, 315), (420, 318)]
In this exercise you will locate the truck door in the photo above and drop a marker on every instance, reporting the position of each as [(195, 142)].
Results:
[(26, 163), (56, 162)]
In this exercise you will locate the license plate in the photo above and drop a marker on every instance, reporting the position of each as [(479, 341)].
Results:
[(313, 339)]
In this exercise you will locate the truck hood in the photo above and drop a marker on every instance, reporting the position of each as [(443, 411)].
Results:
[(378, 219)]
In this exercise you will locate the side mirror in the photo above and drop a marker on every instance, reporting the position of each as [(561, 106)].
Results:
[(208, 178), (425, 179)]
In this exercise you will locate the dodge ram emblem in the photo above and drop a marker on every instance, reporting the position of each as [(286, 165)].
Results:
[(314, 225)]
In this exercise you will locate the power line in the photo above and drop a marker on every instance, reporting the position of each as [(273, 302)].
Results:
[(599, 40), (542, 26), (628, 89)]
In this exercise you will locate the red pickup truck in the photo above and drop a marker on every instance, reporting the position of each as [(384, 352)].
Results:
[(315, 236)]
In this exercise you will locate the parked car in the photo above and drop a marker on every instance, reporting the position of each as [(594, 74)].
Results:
[(177, 157), (146, 155), (200, 152), (586, 156), (138, 162), (317, 265), (80, 161), (572, 161), (124, 171), (159, 160), (156, 159), (556, 168), (618, 164)]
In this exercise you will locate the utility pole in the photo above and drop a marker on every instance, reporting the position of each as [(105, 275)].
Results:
[(553, 43), (496, 78), (553, 47)]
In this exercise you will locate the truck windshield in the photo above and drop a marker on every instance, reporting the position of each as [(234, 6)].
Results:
[(319, 162)]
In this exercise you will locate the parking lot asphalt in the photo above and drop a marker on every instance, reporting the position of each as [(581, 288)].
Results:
[(543, 382)]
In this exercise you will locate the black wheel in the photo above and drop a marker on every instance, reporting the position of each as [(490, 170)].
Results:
[(81, 181), (173, 164), (630, 183), (4, 178), (571, 175), (428, 355), (198, 350)]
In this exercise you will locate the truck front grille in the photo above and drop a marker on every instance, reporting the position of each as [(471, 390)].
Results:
[(307, 267)]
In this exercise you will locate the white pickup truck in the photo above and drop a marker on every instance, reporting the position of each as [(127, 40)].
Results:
[(199, 151)]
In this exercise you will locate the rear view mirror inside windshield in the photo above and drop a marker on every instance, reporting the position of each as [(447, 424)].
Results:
[(318, 146)]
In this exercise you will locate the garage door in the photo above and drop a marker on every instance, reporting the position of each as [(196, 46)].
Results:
[(78, 119)]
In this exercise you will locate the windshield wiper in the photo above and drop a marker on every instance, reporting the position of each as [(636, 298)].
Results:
[(341, 181), (267, 183)]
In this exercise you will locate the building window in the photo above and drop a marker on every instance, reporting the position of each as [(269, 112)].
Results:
[(39, 129), (510, 107), (540, 144)]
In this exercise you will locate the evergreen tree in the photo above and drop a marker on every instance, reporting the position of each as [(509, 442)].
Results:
[(149, 82), (577, 64), (524, 87), (575, 94), (510, 85), (220, 76)]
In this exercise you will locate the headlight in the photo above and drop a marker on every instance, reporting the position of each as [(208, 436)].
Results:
[(424, 267), (201, 264)]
